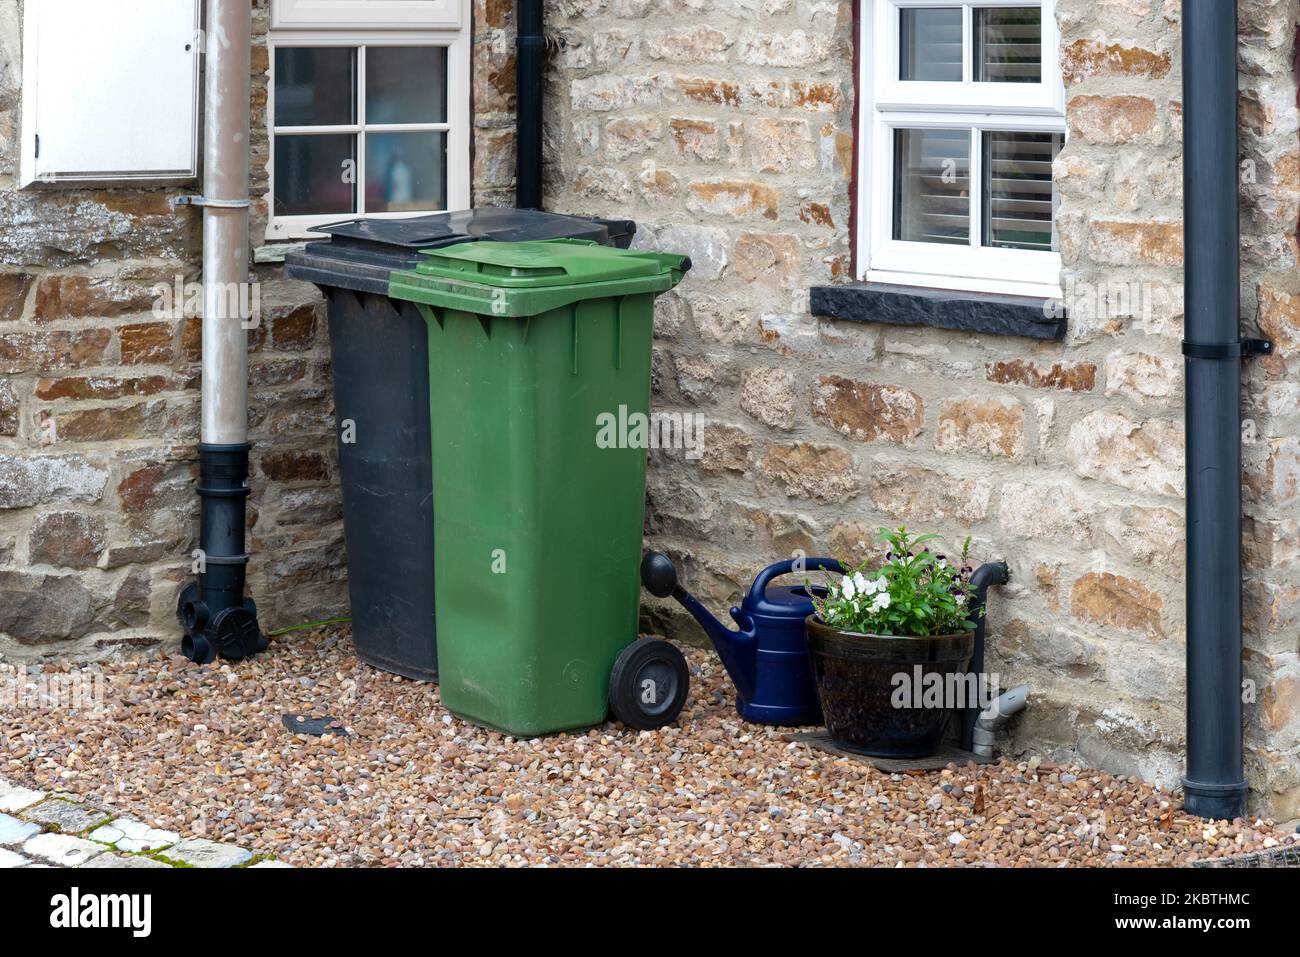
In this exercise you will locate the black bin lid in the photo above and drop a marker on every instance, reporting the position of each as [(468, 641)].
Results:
[(361, 253)]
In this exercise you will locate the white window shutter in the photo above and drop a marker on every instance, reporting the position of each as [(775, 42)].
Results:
[(110, 90)]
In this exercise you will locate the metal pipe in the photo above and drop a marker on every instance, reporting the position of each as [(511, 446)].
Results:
[(1215, 785), (216, 616), (225, 227), (529, 55)]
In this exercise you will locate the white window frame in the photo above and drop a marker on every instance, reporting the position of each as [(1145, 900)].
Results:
[(457, 126), (888, 103), (373, 14)]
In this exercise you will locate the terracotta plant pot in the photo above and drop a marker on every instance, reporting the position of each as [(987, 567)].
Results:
[(855, 678)]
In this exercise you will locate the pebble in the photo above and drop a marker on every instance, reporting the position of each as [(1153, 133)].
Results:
[(202, 750)]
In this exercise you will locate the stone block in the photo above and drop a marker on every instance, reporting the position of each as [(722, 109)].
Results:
[(67, 817), (867, 411), (196, 852)]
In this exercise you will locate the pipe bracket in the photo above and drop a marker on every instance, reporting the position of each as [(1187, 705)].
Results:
[(1241, 349), (215, 203)]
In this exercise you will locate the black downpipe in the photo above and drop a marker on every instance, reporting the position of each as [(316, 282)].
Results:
[(1215, 784), (990, 573), (217, 618), (529, 53)]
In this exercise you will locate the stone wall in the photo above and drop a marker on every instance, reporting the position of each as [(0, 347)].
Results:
[(1121, 222), (725, 129), (99, 397)]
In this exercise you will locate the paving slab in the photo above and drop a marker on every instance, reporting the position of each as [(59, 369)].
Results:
[(14, 831), (13, 798), (132, 836), (268, 865), (124, 861), (197, 852), (10, 859), (39, 830), (66, 816), (62, 849)]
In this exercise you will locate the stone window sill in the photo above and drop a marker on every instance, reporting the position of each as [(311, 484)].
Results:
[(940, 308), (271, 253)]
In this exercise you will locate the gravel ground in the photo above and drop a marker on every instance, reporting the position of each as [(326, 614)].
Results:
[(204, 751)]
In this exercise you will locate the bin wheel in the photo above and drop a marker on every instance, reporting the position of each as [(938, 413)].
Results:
[(648, 684)]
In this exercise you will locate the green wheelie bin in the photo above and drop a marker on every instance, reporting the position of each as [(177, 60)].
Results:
[(539, 352)]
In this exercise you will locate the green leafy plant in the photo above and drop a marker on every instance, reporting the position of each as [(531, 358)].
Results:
[(912, 591)]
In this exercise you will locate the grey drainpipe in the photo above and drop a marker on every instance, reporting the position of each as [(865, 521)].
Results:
[(213, 610), (990, 573), (529, 50), (1215, 784)]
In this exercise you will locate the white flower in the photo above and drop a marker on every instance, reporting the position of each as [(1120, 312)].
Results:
[(864, 587), (847, 587), (881, 602), (881, 584)]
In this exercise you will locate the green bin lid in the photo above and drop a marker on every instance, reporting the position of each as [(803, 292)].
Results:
[(528, 278), (537, 263)]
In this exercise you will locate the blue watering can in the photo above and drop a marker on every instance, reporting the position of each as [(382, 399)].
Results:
[(768, 657)]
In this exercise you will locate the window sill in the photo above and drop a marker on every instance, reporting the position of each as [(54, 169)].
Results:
[(275, 252), (998, 315)]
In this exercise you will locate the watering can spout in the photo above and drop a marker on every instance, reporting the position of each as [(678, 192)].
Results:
[(737, 649)]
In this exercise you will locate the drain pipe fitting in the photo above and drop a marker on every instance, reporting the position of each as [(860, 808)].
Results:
[(986, 725), (1215, 784), (529, 55), (990, 573), (213, 610)]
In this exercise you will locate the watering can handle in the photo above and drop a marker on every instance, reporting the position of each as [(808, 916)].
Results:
[(759, 588)]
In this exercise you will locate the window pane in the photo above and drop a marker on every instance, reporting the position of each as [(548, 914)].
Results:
[(930, 44), (315, 174), (932, 186), (1008, 45), (405, 172), (314, 86), (406, 84), (1019, 198)]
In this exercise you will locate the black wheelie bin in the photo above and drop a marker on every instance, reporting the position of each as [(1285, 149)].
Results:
[(380, 359)]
